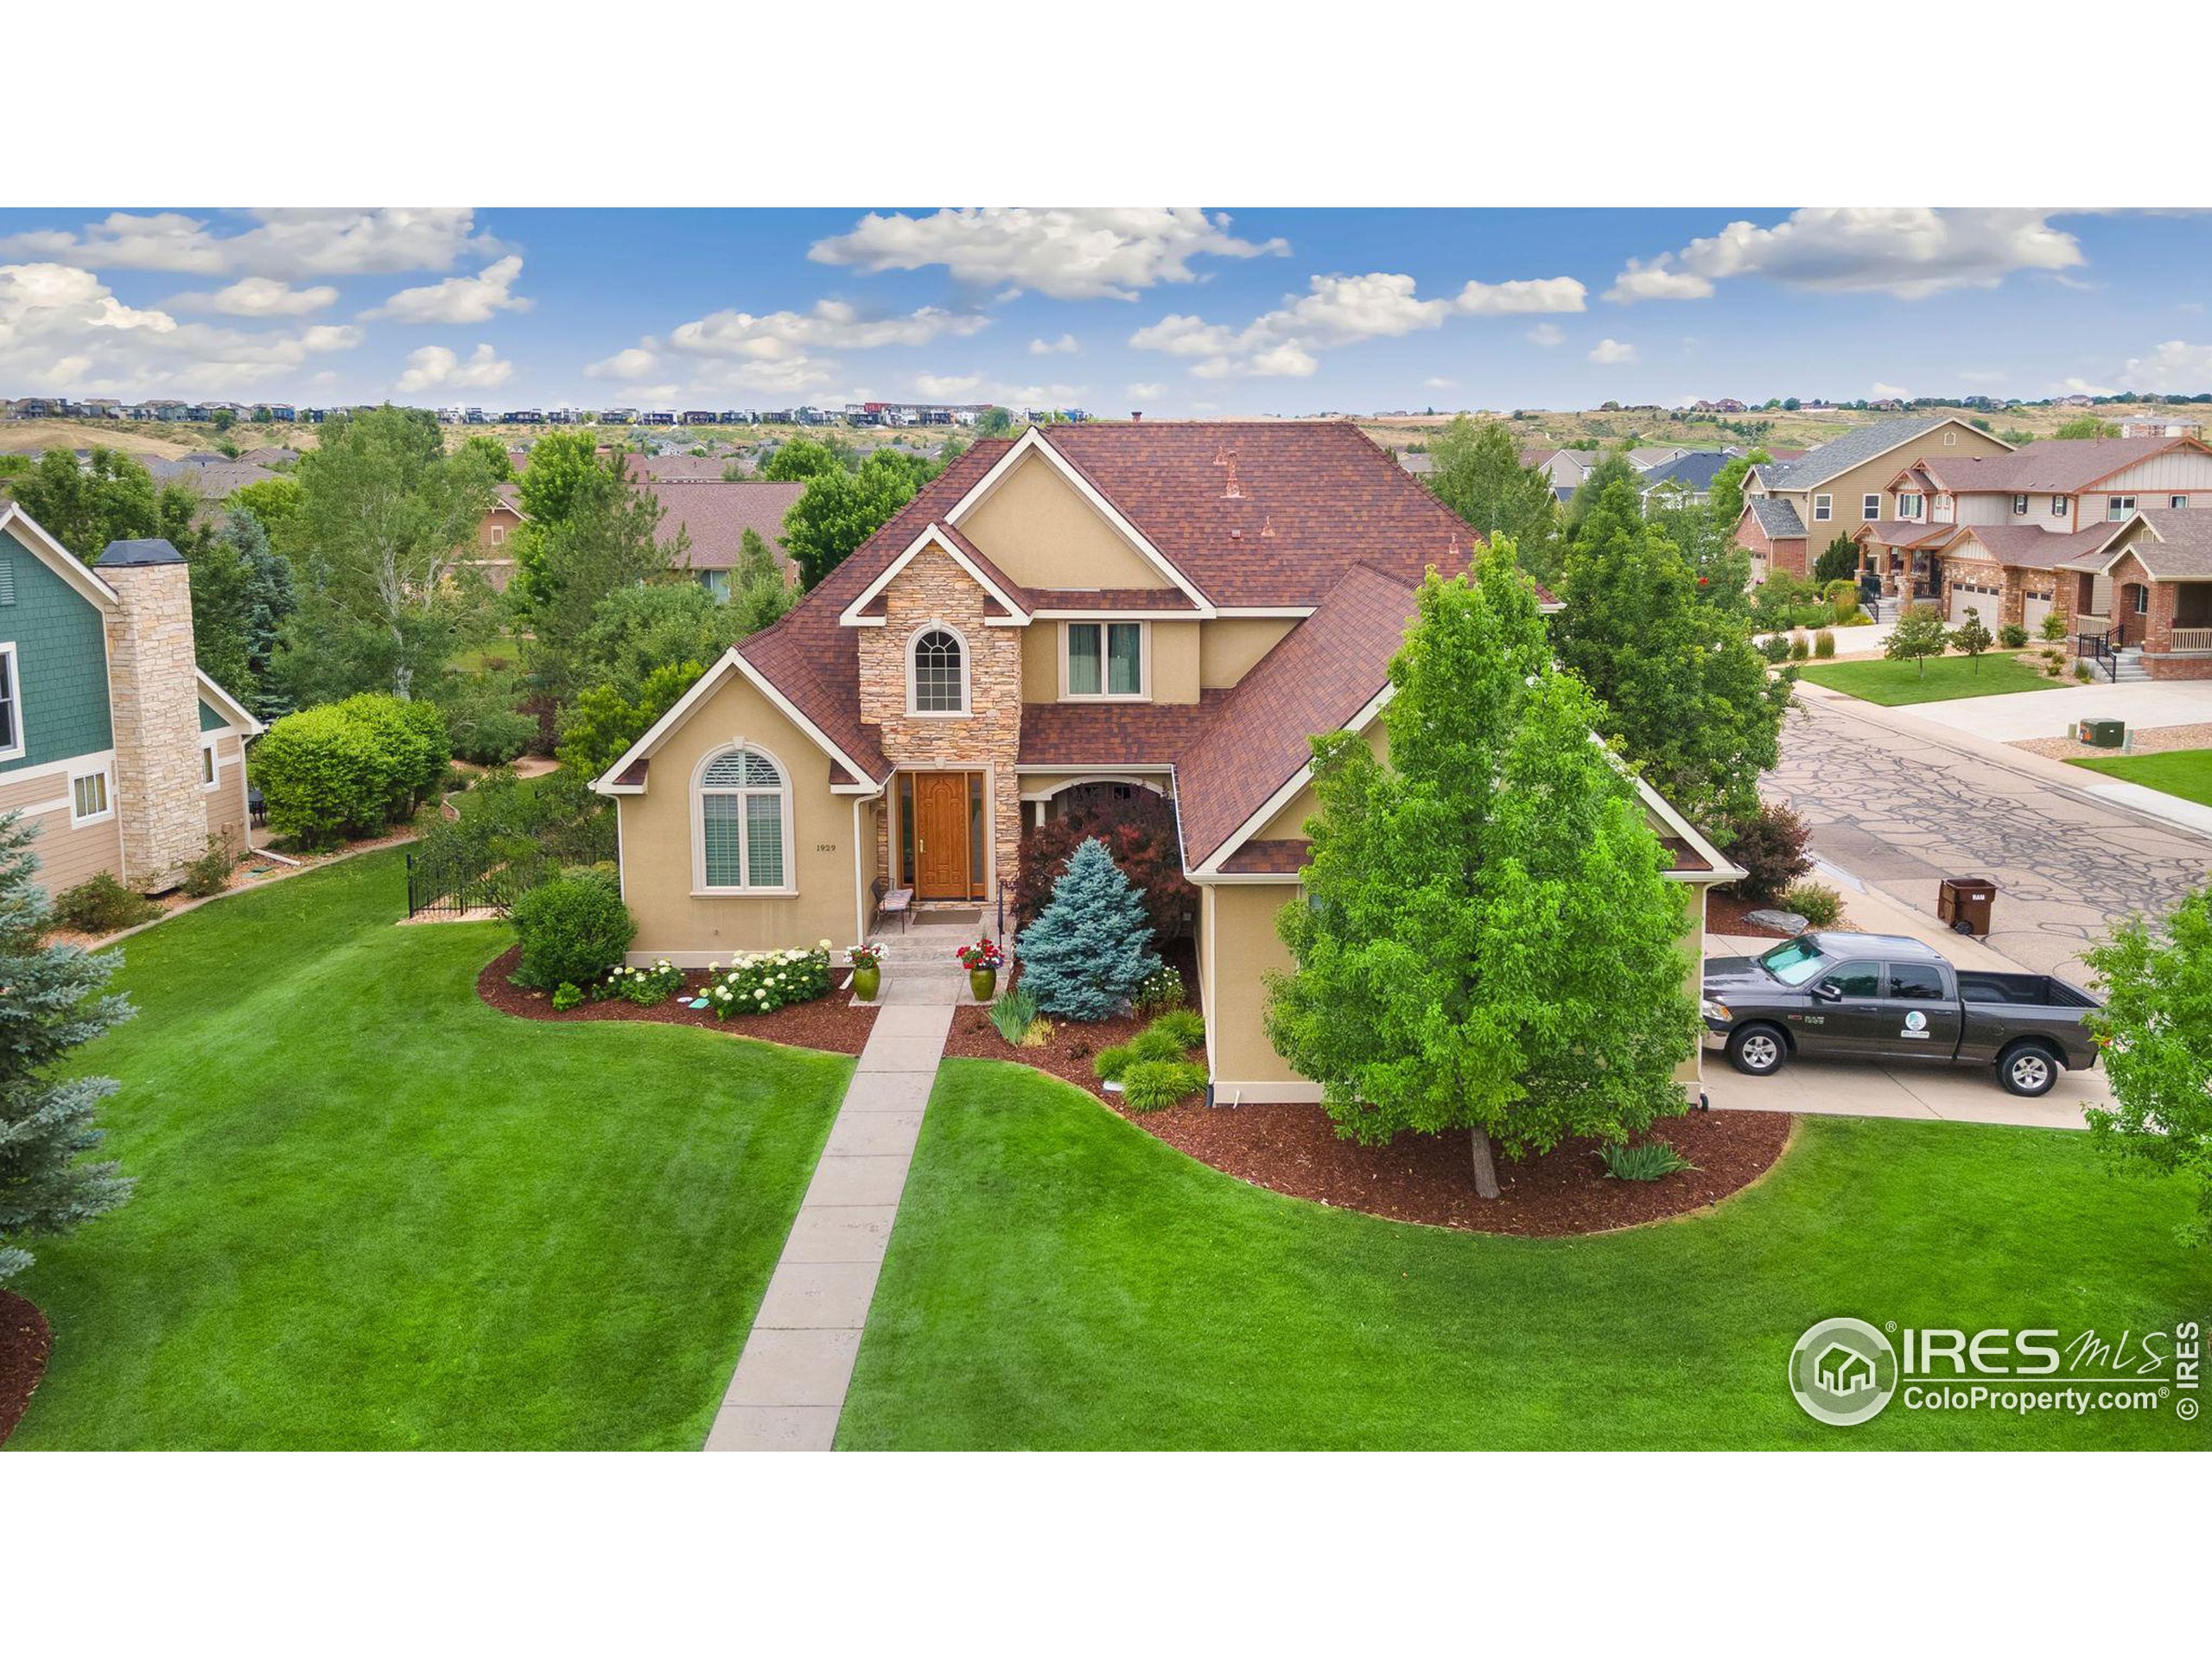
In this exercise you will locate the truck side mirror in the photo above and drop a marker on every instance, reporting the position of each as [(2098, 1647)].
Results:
[(1826, 993)]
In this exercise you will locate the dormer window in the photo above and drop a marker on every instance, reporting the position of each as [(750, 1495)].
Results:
[(1104, 660), (936, 673), (1909, 504)]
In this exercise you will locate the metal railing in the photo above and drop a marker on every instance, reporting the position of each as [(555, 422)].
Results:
[(2101, 649), (440, 885)]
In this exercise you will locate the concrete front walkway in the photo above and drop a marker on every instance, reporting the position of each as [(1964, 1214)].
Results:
[(792, 1377)]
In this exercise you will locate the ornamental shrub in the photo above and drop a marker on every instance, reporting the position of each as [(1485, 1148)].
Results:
[(1110, 1062), (1163, 991), (1154, 1044), (1800, 648), (763, 981), (1819, 904), (1774, 647), (351, 768), (573, 928), (1091, 950), (1824, 644), (1154, 1085), (1186, 1025), (103, 904), (210, 873), (2012, 636), (2054, 625), (646, 987), (1770, 846), (1139, 837), (1014, 1013), (566, 996)]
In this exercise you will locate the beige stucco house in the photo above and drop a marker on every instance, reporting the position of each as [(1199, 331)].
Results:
[(1172, 608)]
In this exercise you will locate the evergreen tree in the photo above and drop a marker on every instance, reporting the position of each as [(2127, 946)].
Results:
[(55, 1001), (1683, 688), (1971, 637), (1486, 939), (1091, 949)]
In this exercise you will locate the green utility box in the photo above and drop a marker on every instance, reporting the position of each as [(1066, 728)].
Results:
[(2101, 733)]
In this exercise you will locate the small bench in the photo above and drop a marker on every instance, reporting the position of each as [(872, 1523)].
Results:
[(893, 901)]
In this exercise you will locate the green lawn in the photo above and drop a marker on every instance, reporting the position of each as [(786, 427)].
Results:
[(2185, 773), (372, 1213), (1893, 684), (1060, 1279)]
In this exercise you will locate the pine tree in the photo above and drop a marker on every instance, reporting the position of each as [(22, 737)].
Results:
[(52, 999), (1091, 948)]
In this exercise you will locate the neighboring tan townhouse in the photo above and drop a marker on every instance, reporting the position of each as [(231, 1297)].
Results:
[(126, 757), (1992, 532), (495, 535), (1088, 608), (1794, 508)]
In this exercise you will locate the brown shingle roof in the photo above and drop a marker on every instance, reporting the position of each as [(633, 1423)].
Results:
[(2062, 465), (1314, 497), (1268, 858), (2024, 547), (2178, 548), (1113, 733), (1328, 669), (1904, 532), (716, 517)]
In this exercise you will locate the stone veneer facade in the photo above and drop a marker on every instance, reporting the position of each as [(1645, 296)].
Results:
[(154, 700), (987, 738)]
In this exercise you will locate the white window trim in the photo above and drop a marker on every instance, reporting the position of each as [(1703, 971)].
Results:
[(695, 797), (2119, 508), (2021, 504), (8, 661), (2060, 506), (966, 709), (1142, 693), (2142, 599), (1869, 506), (1910, 503), (498, 535), (1823, 509), (212, 758), (107, 794)]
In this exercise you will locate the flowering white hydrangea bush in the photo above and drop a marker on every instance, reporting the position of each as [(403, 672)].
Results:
[(762, 982), (646, 987)]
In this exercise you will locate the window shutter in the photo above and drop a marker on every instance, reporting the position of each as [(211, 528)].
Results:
[(7, 582)]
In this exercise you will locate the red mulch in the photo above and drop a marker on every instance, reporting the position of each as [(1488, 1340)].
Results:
[(1422, 1178), (830, 1023), (25, 1342), (1725, 914)]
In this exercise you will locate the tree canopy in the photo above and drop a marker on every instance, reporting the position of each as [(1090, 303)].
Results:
[(840, 510), (1475, 469), (110, 498), (1485, 939)]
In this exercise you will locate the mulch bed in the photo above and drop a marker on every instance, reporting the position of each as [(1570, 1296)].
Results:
[(1294, 1149), (1725, 914), (25, 1342), (830, 1023)]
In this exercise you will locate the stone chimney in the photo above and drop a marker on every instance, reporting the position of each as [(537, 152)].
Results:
[(154, 700)]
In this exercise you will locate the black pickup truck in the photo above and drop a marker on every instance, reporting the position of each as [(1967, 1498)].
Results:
[(1869, 996)]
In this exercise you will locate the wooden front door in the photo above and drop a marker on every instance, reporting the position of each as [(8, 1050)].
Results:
[(941, 861)]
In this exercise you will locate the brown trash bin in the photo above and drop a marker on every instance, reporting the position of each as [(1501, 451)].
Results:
[(1962, 903)]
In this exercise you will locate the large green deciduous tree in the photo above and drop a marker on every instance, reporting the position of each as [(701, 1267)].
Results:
[(840, 510), (1680, 685), (55, 1000), (2156, 1026), (1725, 499), (385, 538), (1486, 939), (110, 498), (1475, 469), (805, 458)]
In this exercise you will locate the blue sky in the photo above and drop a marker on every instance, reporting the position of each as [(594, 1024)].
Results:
[(1177, 312)]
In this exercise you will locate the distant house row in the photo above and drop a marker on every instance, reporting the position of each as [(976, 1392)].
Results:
[(152, 409), (2107, 534)]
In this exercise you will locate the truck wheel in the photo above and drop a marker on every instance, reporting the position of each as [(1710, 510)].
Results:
[(1758, 1051), (2027, 1069)]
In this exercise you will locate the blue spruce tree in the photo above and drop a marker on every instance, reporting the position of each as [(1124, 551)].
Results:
[(1091, 947), (52, 999)]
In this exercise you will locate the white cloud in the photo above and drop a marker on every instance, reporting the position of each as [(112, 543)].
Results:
[(1547, 333), (1438, 383), (1146, 391), (1612, 351), (1339, 310), (1067, 253), (2086, 388), (62, 330), (773, 353), (1884, 388), (257, 296), (459, 299), (286, 242), (1910, 253), (436, 368), (2173, 366), (947, 388), (1066, 344)]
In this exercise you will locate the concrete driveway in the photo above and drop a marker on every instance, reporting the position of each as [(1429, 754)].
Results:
[(2019, 714), (1901, 802)]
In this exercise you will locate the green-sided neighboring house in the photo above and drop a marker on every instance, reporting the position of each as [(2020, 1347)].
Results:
[(126, 757)]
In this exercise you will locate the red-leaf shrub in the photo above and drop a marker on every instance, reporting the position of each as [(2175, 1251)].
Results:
[(1770, 846), (1140, 835)]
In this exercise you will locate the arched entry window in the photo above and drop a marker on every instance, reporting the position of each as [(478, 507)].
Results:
[(743, 816), (936, 673)]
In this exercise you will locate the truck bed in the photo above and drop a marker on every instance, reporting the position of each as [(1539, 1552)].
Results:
[(2021, 990)]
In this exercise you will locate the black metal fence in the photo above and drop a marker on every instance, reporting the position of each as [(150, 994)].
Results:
[(466, 879)]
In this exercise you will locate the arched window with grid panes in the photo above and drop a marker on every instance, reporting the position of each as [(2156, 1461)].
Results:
[(936, 671), (744, 817)]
